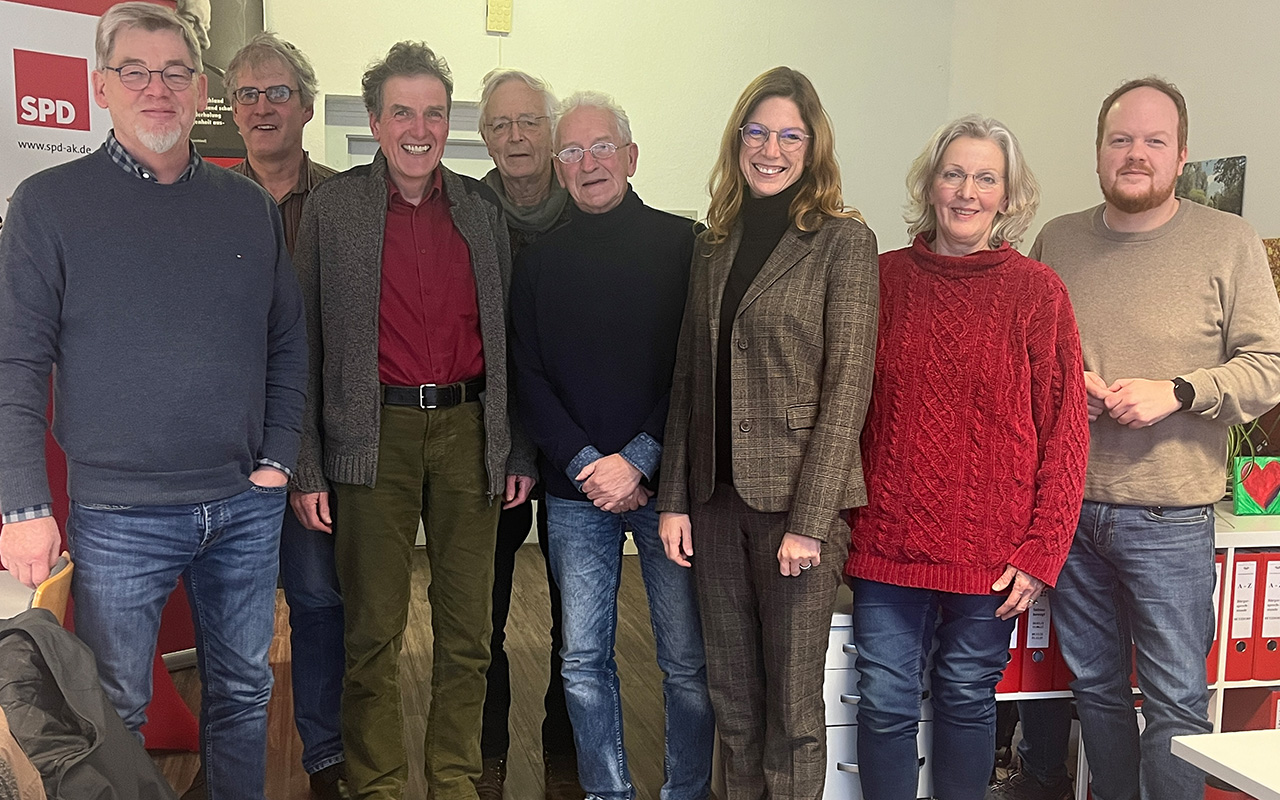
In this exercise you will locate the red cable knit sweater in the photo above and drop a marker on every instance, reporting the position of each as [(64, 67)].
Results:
[(977, 436)]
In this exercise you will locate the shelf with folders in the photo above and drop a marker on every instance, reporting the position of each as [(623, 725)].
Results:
[(1246, 652), (1248, 553)]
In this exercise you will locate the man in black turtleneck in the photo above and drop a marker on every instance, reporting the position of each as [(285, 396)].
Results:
[(596, 308)]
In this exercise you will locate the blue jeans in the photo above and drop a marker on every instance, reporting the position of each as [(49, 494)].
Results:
[(894, 627), (586, 559), (310, 582), (1140, 575), (128, 560)]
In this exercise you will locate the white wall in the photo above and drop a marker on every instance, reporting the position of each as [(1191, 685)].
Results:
[(678, 68), (1044, 69), (888, 72)]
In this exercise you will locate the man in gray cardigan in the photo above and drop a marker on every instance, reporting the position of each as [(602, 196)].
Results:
[(405, 268)]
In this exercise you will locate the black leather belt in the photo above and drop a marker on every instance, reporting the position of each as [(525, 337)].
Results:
[(431, 395)]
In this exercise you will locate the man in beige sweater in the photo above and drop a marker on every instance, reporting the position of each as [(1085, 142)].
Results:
[(1180, 328)]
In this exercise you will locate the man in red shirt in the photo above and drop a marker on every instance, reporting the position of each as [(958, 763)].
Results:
[(405, 267)]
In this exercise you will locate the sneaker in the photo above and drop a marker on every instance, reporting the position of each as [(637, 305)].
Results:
[(492, 776), (328, 783), (561, 778), (1022, 786)]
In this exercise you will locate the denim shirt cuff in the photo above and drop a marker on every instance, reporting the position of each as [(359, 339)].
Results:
[(644, 453), (584, 457)]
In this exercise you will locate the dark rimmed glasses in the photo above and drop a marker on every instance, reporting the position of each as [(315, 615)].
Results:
[(599, 151), (277, 95), (755, 135), (177, 77)]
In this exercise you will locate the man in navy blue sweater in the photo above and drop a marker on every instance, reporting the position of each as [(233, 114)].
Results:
[(160, 286), (596, 308)]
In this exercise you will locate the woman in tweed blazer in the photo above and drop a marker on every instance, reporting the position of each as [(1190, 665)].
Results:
[(772, 380)]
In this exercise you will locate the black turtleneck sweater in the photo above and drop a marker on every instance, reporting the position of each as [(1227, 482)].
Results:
[(764, 220), (596, 308)]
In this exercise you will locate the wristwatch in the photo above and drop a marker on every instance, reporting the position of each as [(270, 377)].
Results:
[(1184, 392)]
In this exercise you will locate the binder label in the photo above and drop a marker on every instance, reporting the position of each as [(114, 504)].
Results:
[(1038, 627), (1217, 597), (1271, 602), (1242, 600)]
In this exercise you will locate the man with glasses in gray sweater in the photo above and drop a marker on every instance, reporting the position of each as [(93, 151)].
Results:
[(160, 287)]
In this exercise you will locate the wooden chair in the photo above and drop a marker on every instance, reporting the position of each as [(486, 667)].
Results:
[(52, 594)]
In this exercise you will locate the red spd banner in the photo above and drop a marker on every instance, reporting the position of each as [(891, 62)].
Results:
[(52, 91)]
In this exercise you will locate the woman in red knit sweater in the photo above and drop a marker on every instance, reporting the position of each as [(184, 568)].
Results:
[(974, 452)]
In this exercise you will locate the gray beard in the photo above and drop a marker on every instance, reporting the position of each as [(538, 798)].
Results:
[(158, 143)]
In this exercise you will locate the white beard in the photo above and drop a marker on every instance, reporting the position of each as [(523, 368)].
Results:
[(158, 142)]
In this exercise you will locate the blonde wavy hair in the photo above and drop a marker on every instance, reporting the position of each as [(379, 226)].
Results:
[(1021, 190), (819, 196)]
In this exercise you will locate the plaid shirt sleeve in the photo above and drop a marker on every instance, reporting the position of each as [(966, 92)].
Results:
[(28, 513), (266, 462)]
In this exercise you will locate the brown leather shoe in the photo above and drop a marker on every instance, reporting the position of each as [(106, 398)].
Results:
[(328, 783), (492, 776), (561, 779)]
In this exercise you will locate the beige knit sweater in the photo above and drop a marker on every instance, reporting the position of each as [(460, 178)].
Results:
[(1193, 298)]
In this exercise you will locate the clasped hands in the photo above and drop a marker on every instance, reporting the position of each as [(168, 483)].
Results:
[(1133, 402), (613, 484)]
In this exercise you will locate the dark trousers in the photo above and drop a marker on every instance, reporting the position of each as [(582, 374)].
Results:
[(430, 467), (766, 637), (1046, 736), (310, 580), (557, 732)]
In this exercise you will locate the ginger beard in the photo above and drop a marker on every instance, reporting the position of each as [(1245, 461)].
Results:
[(1130, 202)]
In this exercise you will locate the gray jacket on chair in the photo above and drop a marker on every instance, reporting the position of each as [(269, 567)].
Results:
[(50, 691)]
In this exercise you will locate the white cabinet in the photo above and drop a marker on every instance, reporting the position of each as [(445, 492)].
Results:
[(840, 691), (842, 762)]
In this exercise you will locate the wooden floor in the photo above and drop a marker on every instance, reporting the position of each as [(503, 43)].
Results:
[(527, 647)]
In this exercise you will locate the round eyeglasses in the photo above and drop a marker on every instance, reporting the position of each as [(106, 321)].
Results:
[(755, 135), (982, 181), (277, 95), (177, 77), (598, 151), (526, 124)]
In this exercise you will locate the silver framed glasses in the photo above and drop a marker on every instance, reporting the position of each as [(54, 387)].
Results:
[(983, 181), (599, 151), (755, 135), (277, 95), (177, 77), (525, 124)]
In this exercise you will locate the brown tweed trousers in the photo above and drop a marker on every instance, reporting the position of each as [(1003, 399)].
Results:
[(802, 362)]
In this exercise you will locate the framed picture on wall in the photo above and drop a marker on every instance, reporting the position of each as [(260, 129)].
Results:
[(1217, 183)]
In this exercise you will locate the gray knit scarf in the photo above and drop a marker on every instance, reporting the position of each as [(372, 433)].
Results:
[(537, 219)]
